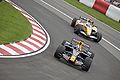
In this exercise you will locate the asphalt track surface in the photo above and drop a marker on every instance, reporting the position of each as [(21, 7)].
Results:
[(44, 66)]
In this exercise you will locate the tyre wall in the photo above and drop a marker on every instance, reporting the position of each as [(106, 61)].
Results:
[(103, 7)]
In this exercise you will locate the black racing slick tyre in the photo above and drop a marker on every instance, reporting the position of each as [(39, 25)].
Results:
[(59, 51), (77, 31), (99, 37), (92, 55), (64, 41), (87, 64), (73, 22)]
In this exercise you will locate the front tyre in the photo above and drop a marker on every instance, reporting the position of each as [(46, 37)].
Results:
[(73, 22), (77, 31), (98, 36), (87, 64), (92, 55), (59, 51), (64, 41)]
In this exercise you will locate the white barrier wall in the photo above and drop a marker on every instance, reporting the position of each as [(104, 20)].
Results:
[(89, 3), (113, 12), (104, 7)]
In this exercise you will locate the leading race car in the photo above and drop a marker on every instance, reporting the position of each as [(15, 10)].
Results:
[(75, 52), (86, 27)]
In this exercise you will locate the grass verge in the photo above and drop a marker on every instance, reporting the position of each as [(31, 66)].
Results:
[(13, 25), (95, 14)]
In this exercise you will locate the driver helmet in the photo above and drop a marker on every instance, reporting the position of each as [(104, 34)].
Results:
[(90, 19), (80, 43)]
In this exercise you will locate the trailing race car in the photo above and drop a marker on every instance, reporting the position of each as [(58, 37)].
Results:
[(75, 52), (86, 27)]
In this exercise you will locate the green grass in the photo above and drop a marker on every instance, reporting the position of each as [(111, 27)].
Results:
[(13, 25), (96, 14)]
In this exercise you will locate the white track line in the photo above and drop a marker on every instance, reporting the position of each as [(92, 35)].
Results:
[(26, 15), (32, 22), (56, 9), (111, 44), (18, 8), (72, 18)]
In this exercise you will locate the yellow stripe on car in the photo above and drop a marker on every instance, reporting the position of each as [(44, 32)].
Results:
[(73, 58)]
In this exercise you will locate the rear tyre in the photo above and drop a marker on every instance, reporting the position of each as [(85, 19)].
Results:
[(87, 64), (73, 22), (59, 51), (99, 37)]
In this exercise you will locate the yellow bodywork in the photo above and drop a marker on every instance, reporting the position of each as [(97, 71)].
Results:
[(73, 58), (87, 29)]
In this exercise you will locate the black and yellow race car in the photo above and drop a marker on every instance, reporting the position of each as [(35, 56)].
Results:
[(75, 52)]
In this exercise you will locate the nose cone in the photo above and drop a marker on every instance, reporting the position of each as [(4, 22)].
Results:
[(88, 31)]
